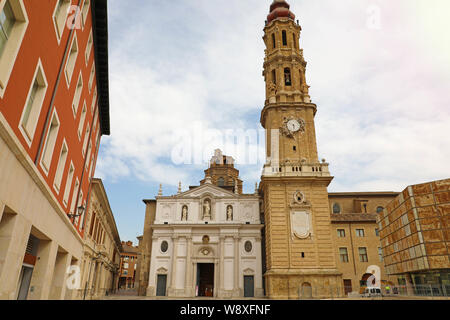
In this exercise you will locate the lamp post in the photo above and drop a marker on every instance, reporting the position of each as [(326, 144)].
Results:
[(80, 211)]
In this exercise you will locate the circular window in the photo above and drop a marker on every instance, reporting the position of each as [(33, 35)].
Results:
[(380, 209), (164, 246), (205, 239), (248, 246)]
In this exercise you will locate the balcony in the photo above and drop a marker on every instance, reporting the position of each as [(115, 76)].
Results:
[(297, 170)]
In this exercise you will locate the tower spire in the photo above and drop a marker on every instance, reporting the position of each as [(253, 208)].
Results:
[(278, 9)]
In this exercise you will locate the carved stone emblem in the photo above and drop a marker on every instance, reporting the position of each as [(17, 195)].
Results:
[(300, 224), (299, 197)]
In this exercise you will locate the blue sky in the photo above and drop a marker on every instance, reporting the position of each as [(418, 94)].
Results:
[(379, 73)]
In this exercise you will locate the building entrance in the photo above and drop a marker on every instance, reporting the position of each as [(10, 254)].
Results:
[(205, 279)]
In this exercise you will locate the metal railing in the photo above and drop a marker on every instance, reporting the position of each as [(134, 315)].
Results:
[(422, 290), (397, 291)]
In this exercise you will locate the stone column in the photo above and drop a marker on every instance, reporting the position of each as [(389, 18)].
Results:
[(236, 266), (221, 263), (43, 271), (58, 288), (188, 279), (216, 278), (14, 234), (173, 274), (259, 291), (194, 276)]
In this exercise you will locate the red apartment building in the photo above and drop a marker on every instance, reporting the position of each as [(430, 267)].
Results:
[(54, 108)]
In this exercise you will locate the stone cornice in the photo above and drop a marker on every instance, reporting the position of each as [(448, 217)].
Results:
[(287, 105)]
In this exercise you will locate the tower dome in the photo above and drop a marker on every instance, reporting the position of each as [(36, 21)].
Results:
[(279, 9)]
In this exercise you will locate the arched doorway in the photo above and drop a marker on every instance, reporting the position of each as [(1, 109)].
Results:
[(306, 291), (363, 282)]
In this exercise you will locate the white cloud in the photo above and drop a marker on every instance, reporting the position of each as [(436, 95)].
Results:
[(382, 95)]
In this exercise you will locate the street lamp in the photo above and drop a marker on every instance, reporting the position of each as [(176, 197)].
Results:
[(80, 211)]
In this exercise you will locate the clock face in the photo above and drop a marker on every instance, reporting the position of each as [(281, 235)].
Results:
[(293, 125)]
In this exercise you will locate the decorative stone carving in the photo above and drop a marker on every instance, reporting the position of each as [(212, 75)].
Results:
[(207, 209), (284, 130), (230, 213), (301, 224), (184, 213), (248, 246), (162, 270), (164, 246), (299, 198), (249, 272)]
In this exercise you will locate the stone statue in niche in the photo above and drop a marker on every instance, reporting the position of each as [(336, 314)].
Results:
[(229, 213), (206, 209), (184, 213)]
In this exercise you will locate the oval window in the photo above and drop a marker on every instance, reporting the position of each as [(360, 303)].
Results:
[(164, 246), (248, 246)]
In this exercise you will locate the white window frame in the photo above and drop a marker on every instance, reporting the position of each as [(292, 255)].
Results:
[(77, 95), (46, 166), (69, 73), (88, 155), (60, 22), (74, 196), (69, 180), (61, 166), (35, 112), (90, 43), (9, 56), (80, 201), (82, 120), (91, 171), (91, 77), (94, 100), (85, 11), (86, 139)]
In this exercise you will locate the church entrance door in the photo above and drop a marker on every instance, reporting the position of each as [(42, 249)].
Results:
[(205, 279)]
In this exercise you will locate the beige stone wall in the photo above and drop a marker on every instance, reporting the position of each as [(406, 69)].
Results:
[(285, 250), (27, 206), (353, 202), (355, 269), (101, 254)]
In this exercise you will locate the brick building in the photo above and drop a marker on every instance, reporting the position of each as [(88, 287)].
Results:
[(54, 109), (128, 265)]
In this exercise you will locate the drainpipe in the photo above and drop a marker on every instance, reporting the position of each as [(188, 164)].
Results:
[(58, 79), (353, 250)]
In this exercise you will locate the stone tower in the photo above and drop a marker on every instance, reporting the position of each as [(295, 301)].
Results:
[(222, 173), (300, 257)]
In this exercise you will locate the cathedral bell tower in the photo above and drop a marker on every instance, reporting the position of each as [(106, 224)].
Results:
[(300, 256)]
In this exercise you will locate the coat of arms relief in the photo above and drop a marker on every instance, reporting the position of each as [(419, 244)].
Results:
[(301, 219)]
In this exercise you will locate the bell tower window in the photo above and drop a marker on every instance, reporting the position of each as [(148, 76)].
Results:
[(273, 41), (295, 40), (287, 77), (284, 38), (274, 76), (221, 182)]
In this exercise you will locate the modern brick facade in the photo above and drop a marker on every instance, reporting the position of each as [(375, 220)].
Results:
[(415, 235)]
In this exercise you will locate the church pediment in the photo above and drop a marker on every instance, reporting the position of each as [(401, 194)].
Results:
[(209, 190)]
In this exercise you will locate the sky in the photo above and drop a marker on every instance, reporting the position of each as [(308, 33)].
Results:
[(186, 75)]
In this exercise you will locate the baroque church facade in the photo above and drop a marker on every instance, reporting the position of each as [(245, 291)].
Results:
[(288, 240), (207, 240)]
